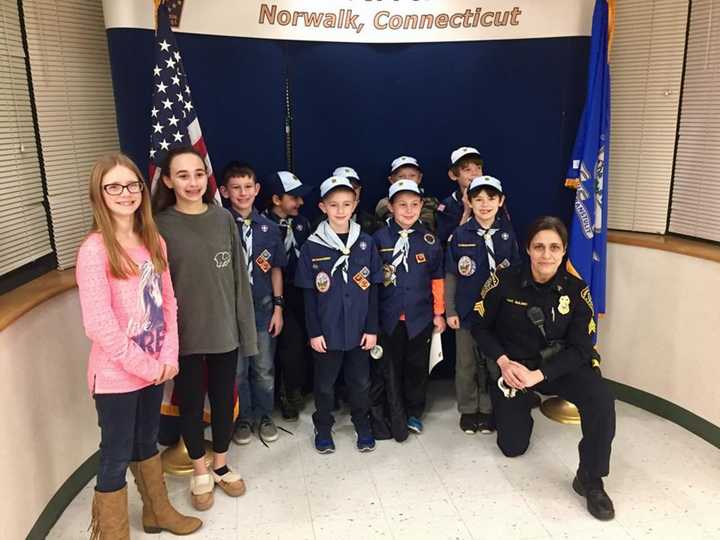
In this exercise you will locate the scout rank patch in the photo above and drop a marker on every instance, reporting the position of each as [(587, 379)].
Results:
[(466, 266), (429, 239), (388, 275), (322, 282), (420, 258), (361, 278), (263, 262), (564, 304)]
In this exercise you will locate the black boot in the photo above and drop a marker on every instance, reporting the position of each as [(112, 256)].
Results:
[(598, 502)]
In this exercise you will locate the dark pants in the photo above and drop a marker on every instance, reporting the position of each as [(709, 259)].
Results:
[(190, 392), (128, 432), (590, 394), (399, 378), (356, 367), (292, 354)]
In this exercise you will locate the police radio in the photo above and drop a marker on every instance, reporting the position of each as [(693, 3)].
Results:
[(537, 318)]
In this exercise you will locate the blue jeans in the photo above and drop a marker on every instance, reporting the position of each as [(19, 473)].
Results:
[(256, 380), (129, 424)]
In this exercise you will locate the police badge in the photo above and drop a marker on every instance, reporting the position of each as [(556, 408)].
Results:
[(466, 266), (322, 282), (564, 305)]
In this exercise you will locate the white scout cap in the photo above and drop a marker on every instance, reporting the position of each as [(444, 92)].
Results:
[(482, 181), (461, 152), (334, 182), (347, 172), (403, 184), (402, 161)]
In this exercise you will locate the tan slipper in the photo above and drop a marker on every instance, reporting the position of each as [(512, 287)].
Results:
[(231, 483), (201, 491)]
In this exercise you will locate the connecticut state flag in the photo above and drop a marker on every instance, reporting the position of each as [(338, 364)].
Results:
[(588, 172)]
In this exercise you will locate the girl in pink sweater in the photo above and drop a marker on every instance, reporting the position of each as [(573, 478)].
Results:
[(130, 315)]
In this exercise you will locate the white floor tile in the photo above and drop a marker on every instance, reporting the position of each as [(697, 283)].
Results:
[(444, 484)]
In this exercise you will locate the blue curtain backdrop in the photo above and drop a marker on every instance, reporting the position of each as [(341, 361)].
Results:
[(517, 101)]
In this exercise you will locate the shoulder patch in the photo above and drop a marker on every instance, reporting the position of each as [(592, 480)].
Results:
[(585, 295), (489, 285)]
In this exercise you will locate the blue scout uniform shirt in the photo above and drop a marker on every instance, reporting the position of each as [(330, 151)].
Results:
[(301, 230), (268, 251), (467, 258), (449, 214), (342, 307), (408, 292)]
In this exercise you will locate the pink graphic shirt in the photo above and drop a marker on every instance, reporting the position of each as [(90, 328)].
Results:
[(132, 322)]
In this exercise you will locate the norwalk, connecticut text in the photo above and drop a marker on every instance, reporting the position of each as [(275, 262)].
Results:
[(347, 19)]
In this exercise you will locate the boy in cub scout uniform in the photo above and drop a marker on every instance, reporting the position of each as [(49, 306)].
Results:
[(265, 259), (477, 248), (339, 270), (285, 194), (411, 308)]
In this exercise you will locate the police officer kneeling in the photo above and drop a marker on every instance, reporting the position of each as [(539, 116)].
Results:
[(537, 322)]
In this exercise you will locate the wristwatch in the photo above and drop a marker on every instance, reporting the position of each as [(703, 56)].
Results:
[(278, 301)]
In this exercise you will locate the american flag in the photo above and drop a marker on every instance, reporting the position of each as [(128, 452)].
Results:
[(173, 117)]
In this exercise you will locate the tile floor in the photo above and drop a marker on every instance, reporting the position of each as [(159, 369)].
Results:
[(444, 484)]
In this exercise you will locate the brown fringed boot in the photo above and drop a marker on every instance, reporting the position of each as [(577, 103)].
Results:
[(158, 514), (110, 516)]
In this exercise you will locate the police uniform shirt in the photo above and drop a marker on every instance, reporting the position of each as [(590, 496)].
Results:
[(467, 258), (267, 252), (342, 308), (449, 214), (408, 292), (501, 324), (301, 230)]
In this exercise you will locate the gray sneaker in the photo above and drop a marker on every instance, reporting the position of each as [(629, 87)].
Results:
[(267, 431), (243, 433)]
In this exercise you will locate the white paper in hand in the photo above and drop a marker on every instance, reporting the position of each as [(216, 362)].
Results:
[(436, 352)]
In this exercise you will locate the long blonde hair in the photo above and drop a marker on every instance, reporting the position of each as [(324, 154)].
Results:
[(121, 265)]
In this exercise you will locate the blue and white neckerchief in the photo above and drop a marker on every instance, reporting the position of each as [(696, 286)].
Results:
[(402, 248), (487, 235), (290, 242), (247, 239), (326, 237)]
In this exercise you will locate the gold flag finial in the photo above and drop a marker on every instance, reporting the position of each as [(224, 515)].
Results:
[(156, 4)]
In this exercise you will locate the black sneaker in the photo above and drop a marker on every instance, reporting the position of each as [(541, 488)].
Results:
[(288, 411), (485, 423), (468, 423), (598, 502)]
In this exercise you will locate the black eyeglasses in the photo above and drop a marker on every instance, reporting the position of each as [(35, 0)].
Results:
[(116, 189)]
